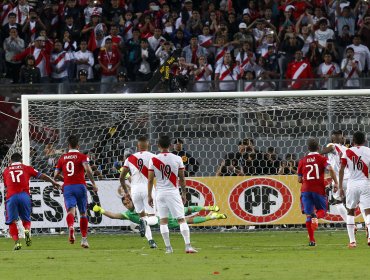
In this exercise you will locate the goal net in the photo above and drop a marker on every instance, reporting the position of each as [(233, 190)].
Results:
[(240, 150)]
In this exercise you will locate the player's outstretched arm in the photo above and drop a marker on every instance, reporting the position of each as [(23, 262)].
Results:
[(340, 183), (90, 175), (150, 187), (122, 179), (50, 180), (333, 176), (58, 175), (182, 183), (100, 210), (328, 149)]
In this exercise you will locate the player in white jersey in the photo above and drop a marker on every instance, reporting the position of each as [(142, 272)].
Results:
[(357, 160), (137, 164), (334, 151), (169, 171)]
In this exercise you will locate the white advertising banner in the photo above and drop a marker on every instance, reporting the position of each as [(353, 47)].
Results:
[(48, 209)]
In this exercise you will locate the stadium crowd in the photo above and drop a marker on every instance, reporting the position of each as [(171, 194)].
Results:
[(95, 40)]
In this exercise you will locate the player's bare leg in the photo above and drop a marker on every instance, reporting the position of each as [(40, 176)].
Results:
[(166, 235), (351, 228), (84, 229), (70, 223), (185, 232)]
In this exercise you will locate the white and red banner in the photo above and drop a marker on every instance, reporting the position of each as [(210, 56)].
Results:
[(245, 200)]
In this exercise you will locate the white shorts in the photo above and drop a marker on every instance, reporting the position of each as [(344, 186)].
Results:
[(140, 201), (358, 194), (336, 195), (169, 202)]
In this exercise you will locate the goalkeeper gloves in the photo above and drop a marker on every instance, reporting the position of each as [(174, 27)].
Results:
[(98, 209)]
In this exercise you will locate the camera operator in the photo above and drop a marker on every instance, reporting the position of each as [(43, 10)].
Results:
[(181, 72)]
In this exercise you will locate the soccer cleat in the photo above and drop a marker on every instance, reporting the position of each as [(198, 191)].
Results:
[(218, 216), (190, 250), (84, 243), (27, 236), (142, 227), (152, 244), (368, 242), (312, 243), (169, 250), (352, 245), (72, 235), (213, 208), (17, 245), (314, 224)]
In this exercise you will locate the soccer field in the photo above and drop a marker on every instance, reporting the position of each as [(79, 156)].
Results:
[(257, 255)]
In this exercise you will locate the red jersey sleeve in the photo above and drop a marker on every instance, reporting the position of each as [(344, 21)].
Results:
[(59, 165), (84, 158), (33, 172)]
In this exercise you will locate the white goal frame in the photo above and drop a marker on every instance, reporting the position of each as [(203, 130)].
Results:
[(155, 96)]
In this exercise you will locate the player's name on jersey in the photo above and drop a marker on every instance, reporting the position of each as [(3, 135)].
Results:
[(70, 157)]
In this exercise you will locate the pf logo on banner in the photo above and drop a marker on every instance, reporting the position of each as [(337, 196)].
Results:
[(198, 194), (260, 200)]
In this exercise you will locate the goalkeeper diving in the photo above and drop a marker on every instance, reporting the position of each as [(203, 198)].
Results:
[(134, 217)]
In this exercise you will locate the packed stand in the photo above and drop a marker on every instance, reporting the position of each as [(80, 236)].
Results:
[(127, 40)]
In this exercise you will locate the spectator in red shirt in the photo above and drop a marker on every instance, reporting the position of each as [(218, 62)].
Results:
[(109, 61), (299, 70), (146, 27)]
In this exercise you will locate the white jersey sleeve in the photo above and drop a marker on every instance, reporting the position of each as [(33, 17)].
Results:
[(334, 158)]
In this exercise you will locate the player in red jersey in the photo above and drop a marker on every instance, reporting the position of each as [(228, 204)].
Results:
[(311, 172), (73, 166), (18, 200)]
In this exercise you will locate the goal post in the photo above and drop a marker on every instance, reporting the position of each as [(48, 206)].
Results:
[(216, 130), (176, 96)]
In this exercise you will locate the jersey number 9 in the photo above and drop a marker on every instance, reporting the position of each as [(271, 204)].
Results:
[(70, 167)]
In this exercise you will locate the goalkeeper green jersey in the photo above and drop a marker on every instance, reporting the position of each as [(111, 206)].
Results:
[(135, 218)]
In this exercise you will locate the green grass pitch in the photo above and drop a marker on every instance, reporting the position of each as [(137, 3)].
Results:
[(254, 255)]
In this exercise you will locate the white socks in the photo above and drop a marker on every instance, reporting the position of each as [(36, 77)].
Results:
[(148, 231), (351, 228), (342, 211), (185, 231), (367, 221), (165, 234)]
